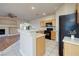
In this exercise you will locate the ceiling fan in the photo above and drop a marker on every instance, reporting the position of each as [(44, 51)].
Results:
[(11, 15)]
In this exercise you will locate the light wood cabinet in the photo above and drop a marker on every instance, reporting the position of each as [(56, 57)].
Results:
[(53, 35), (44, 21), (54, 22), (71, 49), (48, 21), (40, 46)]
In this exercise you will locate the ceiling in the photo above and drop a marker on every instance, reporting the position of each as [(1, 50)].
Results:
[(24, 10)]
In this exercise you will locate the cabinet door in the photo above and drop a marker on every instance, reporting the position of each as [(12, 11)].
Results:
[(67, 49), (53, 35), (54, 22), (48, 20), (71, 49), (42, 23), (40, 46)]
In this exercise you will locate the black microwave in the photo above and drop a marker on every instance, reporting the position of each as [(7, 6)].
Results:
[(48, 24)]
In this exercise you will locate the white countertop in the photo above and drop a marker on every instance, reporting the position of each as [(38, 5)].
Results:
[(39, 35), (71, 41)]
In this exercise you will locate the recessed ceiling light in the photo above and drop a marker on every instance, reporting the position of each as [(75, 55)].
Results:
[(33, 8), (44, 13)]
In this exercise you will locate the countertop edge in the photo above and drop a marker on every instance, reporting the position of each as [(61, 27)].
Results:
[(75, 42), (40, 35)]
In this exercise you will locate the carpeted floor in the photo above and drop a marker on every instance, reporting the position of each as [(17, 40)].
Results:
[(13, 50)]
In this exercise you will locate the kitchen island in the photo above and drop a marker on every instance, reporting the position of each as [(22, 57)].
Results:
[(8, 40), (71, 46), (32, 43), (40, 44)]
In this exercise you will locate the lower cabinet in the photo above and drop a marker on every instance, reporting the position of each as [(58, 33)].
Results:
[(40, 46), (71, 49), (53, 35)]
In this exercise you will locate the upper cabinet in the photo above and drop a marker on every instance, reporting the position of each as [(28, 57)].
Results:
[(54, 22), (44, 21)]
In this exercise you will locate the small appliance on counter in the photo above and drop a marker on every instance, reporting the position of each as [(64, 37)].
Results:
[(72, 33)]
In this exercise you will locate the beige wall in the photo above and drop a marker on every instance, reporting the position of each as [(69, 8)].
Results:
[(63, 10), (12, 24), (7, 21), (13, 30)]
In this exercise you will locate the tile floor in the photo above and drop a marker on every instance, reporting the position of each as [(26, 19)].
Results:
[(13, 50), (51, 49)]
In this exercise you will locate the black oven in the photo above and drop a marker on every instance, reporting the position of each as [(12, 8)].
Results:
[(48, 33), (48, 30)]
